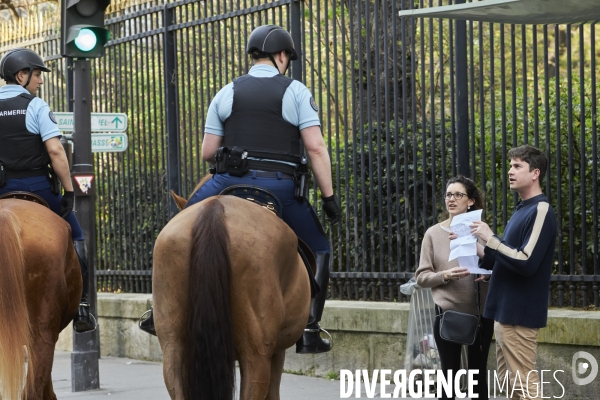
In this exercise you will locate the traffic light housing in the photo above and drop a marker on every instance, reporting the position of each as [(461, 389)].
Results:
[(83, 34)]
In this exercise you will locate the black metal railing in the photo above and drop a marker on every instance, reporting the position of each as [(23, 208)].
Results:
[(405, 104)]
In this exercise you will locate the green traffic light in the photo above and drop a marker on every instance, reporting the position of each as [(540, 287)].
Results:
[(86, 40)]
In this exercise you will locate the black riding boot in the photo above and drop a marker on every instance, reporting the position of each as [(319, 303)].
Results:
[(147, 325), (83, 322), (311, 342)]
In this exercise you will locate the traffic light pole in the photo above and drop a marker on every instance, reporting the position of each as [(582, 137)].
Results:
[(86, 346)]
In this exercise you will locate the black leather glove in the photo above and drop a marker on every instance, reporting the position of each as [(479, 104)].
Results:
[(331, 206), (66, 204)]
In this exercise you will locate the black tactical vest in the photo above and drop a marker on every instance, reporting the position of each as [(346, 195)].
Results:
[(20, 149), (256, 122)]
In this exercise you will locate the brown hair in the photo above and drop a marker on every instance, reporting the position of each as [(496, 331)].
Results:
[(532, 156), (472, 190)]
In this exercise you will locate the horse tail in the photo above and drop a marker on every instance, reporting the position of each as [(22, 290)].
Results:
[(209, 364), (15, 331)]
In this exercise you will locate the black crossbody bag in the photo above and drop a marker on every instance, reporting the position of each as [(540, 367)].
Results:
[(459, 327)]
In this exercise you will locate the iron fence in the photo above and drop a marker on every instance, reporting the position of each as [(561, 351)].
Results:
[(405, 104)]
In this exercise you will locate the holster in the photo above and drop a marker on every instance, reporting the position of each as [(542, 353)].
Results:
[(301, 179), (233, 161), (2, 176), (53, 180), (221, 159), (237, 164)]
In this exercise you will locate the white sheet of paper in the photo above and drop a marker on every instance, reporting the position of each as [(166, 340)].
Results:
[(472, 264), (464, 247), (460, 223), (464, 250), (463, 240)]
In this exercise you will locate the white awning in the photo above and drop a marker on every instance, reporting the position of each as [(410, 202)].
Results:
[(531, 12)]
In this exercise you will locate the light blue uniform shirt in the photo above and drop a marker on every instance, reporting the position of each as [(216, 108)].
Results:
[(39, 118), (296, 107)]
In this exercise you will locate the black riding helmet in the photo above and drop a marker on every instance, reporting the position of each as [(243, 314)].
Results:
[(271, 39), (19, 59)]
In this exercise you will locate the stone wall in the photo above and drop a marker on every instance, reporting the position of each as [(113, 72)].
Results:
[(367, 335)]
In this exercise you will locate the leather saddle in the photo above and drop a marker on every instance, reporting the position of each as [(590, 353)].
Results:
[(267, 199), (28, 196), (258, 195)]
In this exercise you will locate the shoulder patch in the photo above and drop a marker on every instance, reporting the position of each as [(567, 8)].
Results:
[(51, 116), (313, 104)]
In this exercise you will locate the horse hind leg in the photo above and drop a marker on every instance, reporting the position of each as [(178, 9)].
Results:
[(276, 371), (173, 373), (255, 372), (43, 358), (261, 377)]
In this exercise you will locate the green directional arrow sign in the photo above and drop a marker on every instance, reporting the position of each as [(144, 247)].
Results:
[(117, 121), (101, 122)]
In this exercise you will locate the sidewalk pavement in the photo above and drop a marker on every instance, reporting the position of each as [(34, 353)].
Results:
[(127, 379)]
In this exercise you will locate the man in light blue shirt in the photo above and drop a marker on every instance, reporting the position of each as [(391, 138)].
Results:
[(29, 143), (297, 104), (264, 119)]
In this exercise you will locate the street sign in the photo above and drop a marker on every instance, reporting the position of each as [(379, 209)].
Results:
[(101, 122), (103, 142)]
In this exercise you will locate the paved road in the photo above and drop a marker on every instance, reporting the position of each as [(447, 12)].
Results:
[(127, 379)]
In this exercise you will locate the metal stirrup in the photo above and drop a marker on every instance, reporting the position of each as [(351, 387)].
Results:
[(319, 329), (94, 321), (142, 319)]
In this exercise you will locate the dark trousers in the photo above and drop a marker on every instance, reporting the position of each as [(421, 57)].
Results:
[(301, 217), (477, 355), (40, 186)]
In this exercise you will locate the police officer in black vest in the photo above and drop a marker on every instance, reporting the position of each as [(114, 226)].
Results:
[(31, 155), (254, 133)]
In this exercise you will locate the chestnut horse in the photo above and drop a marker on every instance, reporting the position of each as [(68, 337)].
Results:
[(40, 288), (228, 284)]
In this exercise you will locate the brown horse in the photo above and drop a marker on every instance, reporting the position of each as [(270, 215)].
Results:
[(40, 288), (228, 284)]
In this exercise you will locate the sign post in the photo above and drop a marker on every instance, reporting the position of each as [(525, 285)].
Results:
[(86, 346)]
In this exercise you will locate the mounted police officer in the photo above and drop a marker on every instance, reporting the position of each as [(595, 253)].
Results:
[(253, 134), (31, 155)]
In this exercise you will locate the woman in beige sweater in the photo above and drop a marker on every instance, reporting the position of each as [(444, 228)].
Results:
[(453, 287)]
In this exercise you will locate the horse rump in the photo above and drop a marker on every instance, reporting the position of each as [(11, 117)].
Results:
[(15, 330)]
